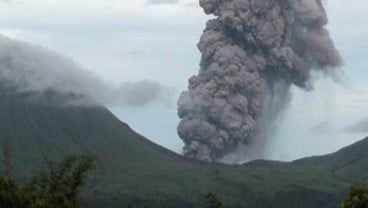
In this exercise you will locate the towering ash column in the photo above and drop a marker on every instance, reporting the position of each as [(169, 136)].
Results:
[(251, 48)]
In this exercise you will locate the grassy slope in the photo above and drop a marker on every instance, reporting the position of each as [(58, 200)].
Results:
[(132, 169)]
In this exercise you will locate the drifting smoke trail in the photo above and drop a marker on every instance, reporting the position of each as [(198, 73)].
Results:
[(32, 69), (251, 54)]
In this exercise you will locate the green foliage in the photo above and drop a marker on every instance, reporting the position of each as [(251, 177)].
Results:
[(357, 198), (58, 186), (13, 195), (212, 201)]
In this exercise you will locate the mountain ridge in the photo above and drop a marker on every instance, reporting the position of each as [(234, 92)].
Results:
[(133, 169)]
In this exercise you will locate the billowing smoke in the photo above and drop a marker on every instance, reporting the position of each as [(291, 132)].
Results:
[(32, 69), (252, 52)]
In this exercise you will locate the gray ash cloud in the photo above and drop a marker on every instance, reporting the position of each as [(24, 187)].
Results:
[(249, 50)]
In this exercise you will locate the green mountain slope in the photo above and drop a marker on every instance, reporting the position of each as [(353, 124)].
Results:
[(132, 169)]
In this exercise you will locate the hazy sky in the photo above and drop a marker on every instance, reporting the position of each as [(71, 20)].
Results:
[(127, 41)]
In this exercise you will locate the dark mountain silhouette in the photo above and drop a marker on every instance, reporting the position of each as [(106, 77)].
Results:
[(131, 169)]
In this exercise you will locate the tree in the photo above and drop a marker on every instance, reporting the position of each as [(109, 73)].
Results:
[(13, 195), (212, 201), (57, 186), (6, 157), (60, 185), (357, 198)]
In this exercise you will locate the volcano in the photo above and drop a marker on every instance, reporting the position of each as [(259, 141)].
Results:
[(47, 112), (132, 169)]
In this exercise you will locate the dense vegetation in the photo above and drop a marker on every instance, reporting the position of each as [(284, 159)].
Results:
[(357, 198), (212, 201), (57, 186)]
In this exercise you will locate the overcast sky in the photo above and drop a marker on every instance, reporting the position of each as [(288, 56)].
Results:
[(128, 41)]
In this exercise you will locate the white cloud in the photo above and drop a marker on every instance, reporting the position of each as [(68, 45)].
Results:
[(126, 33), (31, 68), (162, 1)]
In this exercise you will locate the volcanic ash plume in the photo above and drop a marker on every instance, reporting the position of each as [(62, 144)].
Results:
[(250, 49)]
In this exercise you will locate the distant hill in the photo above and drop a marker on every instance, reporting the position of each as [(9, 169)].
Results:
[(131, 169)]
